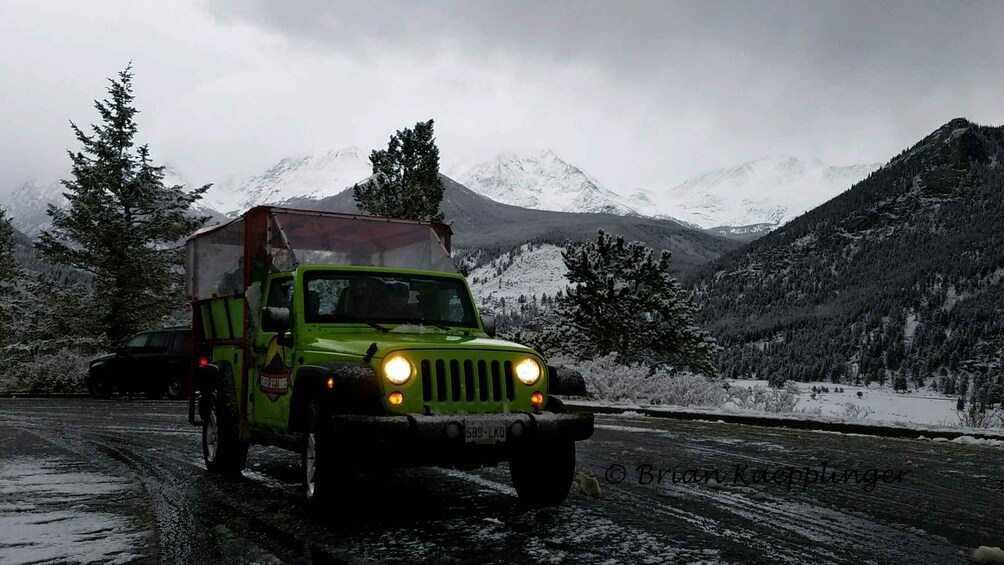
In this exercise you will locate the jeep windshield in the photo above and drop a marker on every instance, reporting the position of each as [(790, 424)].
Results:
[(334, 297)]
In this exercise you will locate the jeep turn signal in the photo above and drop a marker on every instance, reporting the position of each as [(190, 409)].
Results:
[(203, 361), (536, 399), (331, 382), (396, 398)]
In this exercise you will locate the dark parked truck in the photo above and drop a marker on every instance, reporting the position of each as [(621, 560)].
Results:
[(154, 363), (354, 340)]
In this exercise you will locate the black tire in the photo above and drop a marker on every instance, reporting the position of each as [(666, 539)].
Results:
[(100, 388), (222, 448), (177, 389), (321, 476), (542, 472)]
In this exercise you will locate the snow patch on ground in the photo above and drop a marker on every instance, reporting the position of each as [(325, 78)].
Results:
[(970, 440), (988, 555), (881, 404), (47, 515)]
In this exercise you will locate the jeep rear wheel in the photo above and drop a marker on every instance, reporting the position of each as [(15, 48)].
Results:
[(222, 448), (542, 472)]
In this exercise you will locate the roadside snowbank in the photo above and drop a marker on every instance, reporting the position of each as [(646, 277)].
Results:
[(712, 414)]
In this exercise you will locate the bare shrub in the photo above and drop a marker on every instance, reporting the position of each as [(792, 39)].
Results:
[(56, 372), (975, 415), (608, 380), (763, 399), (856, 412)]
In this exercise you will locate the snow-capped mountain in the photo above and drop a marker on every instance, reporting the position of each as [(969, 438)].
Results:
[(764, 193), (742, 200), (542, 181), (27, 205), (755, 196), (306, 176)]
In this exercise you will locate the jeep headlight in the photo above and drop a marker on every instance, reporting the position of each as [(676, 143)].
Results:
[(397, 369), (528, 371)]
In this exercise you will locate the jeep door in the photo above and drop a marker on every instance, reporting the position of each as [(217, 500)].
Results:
[(269, 375)]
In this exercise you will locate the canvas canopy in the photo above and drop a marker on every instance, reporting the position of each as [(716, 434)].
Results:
[(226, 259)]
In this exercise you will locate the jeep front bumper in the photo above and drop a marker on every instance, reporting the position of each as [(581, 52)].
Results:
[(416, 439)]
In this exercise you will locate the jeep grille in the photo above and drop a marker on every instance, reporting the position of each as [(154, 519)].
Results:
[(455, 383)]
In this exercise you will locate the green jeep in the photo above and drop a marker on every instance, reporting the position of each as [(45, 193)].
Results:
[(353, 340)]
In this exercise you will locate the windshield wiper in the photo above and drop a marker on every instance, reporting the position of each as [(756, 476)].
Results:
[(352, 319)]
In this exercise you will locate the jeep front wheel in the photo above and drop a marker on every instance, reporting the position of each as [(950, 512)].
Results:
[(542, 472), (319, 473)]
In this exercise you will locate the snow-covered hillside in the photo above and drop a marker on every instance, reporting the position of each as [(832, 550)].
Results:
[(27, 205), (539, 180), (525, 272), (767, 191), (305, 176)]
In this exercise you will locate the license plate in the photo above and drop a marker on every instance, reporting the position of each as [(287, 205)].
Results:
[(477, 431)]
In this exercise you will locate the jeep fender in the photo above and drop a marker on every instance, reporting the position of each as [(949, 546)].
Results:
[(563, 381), (355, 390), (206, 379)]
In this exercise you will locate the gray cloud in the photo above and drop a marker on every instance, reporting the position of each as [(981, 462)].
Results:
[(635, 92), (717, 82)]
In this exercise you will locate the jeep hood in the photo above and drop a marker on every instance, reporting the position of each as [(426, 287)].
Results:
[(359, 343)]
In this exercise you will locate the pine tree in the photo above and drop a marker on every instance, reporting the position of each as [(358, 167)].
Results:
[(123, 224), (899, 382), (622, 299), (10, 273), (8, 265), (405, 182)]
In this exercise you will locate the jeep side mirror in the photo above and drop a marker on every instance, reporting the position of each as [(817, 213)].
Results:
[(275, 319), (489, 323)]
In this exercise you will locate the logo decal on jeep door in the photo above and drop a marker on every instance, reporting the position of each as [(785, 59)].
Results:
[(273, 374)]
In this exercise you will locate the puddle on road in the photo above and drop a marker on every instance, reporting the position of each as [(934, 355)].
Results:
[(51, 511)]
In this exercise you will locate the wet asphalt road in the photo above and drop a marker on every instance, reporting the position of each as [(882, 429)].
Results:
[(122, 481)]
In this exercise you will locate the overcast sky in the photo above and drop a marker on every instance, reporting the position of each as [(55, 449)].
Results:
[(642, 93)]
